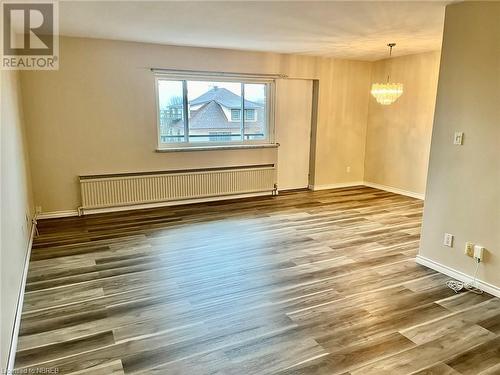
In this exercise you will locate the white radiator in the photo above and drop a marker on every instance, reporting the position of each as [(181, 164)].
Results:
[(141, 188)]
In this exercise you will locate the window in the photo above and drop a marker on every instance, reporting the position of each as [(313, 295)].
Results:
[(235, 115), (171, 113), (250, 115), (208, 112)]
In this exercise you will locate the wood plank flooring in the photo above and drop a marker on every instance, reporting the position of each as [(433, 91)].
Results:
[(303, 283)]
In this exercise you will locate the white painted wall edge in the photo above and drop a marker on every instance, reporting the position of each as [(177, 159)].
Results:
[(395, 190), (19, 307), (369, 184), (458, 275), (58, 214), (336, 186)]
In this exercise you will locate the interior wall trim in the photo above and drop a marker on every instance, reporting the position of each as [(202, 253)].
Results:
[(59, 214), (19, 308), (90, 211), (70, 213), (369, 184), (56, 214), (458, 275), (395, 190), (336, 186)]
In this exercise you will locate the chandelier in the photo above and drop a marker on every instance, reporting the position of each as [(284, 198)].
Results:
[(387, 93)]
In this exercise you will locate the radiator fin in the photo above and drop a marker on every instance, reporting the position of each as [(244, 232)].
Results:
[(103, 191)]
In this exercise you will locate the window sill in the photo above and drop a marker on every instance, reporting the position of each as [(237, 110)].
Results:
[(216, 148)]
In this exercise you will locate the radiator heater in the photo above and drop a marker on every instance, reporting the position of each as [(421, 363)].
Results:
[(121, 190)]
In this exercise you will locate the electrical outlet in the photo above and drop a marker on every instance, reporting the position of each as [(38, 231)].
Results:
[(38, 209), (448, 240), (348, 169), (458, 138), (469, 249), (478, 252)]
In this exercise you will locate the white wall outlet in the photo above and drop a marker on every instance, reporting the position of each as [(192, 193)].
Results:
[(478, 252), (458, 138), (348, 169), (38, 209), (469, 249), (448, 240)]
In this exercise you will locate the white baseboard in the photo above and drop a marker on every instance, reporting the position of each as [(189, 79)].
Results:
[(90, 211), (19, 308), (56, 214), (395, 190), (369, 184), (336, 186), (458, 275), (69, 213)]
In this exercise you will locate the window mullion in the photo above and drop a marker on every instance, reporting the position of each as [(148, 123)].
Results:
[(186, 109), (268, 112), (242, 119)]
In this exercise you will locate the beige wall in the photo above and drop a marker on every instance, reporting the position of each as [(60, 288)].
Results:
[(97, 113), (399, 135), (463, 188), (16, 204)]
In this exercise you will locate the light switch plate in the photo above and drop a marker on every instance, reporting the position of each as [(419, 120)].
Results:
[(448, 240), (458, 138)]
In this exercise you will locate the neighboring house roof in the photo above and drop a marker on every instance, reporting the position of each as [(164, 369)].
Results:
[(223, 97), (211, 116)]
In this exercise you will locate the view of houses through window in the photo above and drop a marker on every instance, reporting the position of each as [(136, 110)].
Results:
[(214, 111)]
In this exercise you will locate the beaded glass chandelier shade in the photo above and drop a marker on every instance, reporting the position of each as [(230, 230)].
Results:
[(387, 93)]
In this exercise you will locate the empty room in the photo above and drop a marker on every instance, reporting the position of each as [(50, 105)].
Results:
[(250, 187)]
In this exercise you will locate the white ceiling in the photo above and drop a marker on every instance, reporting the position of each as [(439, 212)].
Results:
[(354, 30)]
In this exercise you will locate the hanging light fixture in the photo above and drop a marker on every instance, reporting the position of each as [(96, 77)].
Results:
[(387, 93)]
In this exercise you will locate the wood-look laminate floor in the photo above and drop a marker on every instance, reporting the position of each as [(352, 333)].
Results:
[(303, 283)]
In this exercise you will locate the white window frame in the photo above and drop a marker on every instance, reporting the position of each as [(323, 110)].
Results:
[(270, 109)]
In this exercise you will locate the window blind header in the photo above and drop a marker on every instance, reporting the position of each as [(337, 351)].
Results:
[(208, 74)]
